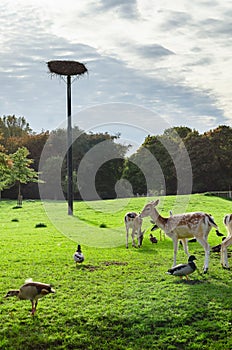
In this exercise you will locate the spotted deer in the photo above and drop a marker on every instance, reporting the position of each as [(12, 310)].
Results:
[(183, 226), (227, 241), (134, 222)]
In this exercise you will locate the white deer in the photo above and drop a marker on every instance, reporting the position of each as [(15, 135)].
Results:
[(183, 226), (227, 242), (133, 221)]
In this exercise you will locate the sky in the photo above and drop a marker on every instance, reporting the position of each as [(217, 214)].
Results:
[(151, 64)]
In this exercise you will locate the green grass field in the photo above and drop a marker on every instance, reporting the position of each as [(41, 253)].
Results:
[(118, 298)]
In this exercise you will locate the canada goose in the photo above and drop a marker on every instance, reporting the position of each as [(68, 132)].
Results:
[(31, 291), (183, 269), (78, 256)]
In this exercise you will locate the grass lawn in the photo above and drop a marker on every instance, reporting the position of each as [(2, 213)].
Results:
[(118, 298)]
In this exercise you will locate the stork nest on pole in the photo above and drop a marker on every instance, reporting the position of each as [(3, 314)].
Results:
[(66, 67)]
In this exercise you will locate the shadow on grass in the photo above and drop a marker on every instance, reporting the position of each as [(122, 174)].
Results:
[(90, 268), (102, 263)]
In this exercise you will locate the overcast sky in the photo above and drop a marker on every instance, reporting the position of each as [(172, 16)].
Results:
[(160, 63)]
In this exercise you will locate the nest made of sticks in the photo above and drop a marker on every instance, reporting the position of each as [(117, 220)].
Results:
[(67, 67)]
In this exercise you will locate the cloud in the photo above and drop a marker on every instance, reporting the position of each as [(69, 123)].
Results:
[(125, 9), (153, 51), (218, 28), (175, 20), (175, 77)]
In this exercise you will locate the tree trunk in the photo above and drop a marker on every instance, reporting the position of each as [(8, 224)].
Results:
[(20, 197)]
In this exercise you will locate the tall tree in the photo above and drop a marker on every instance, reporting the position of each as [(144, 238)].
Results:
[(51, 175), (21, 171), (14, 126), (221, 145), (5, 170), (210, 155)]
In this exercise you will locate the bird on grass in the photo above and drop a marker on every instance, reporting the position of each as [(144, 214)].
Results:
[(217, 248), (155, 227), (31, 291), (189, 241), (78, 255), (153, 239), (219, 234), (184, 269)]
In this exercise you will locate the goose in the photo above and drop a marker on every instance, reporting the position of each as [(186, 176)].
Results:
[(78, 255), (31, 291), (184, 269)]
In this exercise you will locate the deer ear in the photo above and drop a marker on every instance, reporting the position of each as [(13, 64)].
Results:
[(155, 203)]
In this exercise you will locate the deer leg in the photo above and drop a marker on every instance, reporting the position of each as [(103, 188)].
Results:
[(127, 233), (222, 257), (133, 238), (185, 246), (175, 248), (206, 247), (139, 238), (225, 258), (224, 254)]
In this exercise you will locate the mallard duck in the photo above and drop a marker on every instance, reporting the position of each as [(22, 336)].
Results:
[(184, 269), (153, 239), (31, 291), (78, 256)]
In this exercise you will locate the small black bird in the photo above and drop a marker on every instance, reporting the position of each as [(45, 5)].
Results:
[(78, 256), (219, 234), (217, 248), (154, 228), (153, 239), (189, 240), (183, 269)]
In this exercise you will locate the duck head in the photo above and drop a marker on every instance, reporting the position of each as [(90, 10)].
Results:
[(192, 258)]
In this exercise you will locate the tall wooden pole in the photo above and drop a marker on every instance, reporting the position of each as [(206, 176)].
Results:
[(69, 153), (68, 68)]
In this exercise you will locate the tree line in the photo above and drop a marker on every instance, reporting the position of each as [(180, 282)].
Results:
[(209, 155), (153, 168)]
